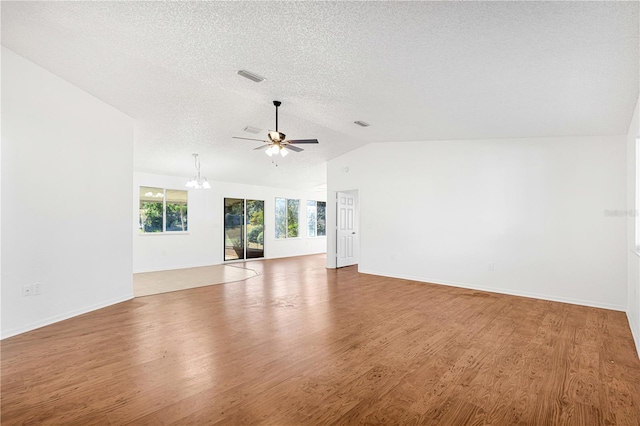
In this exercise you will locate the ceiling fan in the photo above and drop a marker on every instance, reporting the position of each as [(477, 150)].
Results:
[(277, 142)]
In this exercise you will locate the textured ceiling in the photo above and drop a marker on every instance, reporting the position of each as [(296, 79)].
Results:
[(414, 70)]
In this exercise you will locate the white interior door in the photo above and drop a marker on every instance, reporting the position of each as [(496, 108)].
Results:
[(347, 236)]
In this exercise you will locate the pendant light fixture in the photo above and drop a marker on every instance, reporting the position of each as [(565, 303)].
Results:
[(197, 182)]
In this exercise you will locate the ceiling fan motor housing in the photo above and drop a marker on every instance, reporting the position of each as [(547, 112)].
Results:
[(277, 136)]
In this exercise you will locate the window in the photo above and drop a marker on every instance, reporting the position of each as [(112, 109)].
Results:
[(176, 210), (316, 218), (162, 210), (151, 206), (287, 218)]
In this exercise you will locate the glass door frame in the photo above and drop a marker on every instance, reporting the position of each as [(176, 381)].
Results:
[(245, 231)]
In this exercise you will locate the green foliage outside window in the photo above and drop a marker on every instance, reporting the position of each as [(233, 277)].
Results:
[(255, 211), (287, 218), (292, 218), (162, 210), (255, 229), (256, 235), (150, 216), (322, 219), (177, 217), (281, 218)]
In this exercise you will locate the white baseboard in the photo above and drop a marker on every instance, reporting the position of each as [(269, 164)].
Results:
[(551, 298), (57, 318), (635, 332)]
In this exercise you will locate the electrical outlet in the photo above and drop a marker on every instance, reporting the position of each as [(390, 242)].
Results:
[(491, 266), (27, 290), (37, 289)]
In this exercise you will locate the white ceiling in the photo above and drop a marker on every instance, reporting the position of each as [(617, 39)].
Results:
[(415, 71)]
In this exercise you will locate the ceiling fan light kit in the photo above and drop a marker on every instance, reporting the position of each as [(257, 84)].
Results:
[(278, 142), (198, 182), (277, 149)]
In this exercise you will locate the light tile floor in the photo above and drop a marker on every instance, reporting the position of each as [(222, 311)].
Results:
[(147, 283)]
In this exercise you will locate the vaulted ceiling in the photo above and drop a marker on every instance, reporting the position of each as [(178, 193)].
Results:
[(414, 70)]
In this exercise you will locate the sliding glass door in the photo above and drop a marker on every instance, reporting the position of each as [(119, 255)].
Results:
[(243, 229), (233, 229), (255, 229)]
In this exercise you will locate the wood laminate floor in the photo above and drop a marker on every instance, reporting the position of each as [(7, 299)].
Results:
[(303, 345)]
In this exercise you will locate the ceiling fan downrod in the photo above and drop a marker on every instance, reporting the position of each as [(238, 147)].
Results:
[(277, 104)]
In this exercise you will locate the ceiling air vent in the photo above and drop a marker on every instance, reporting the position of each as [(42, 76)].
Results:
[(253, 130), (251, 76), (362, 123)]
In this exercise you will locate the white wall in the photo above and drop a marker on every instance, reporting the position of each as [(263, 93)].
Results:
[(0, 207), (441, 211), (67, 165), (202, 245), (633, 255)]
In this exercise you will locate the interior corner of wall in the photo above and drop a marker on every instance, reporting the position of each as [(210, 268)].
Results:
[(635, 331)]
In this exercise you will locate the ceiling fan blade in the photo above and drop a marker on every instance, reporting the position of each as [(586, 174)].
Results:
[(292, 148), (303, 141), (262, 147), (249, 139)]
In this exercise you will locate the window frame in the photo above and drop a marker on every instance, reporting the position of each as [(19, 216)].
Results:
[(286, 222), (316, 202), (164, 230)]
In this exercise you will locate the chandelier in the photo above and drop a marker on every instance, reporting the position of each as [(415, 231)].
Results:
[(198, 182)]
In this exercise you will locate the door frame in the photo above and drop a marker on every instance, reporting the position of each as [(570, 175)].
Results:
[(244, 230), (332, 226)]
